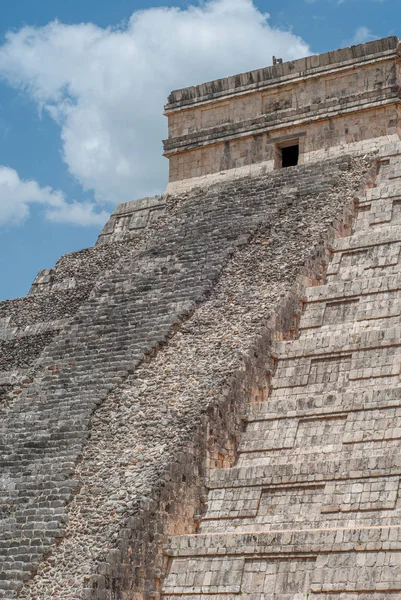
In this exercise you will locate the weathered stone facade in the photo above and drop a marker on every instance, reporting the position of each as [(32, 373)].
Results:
[(311, 507), (205, 402), (325, 103)]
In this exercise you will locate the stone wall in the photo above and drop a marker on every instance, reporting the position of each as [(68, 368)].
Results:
[(143, 390), (322, 101), (244, 151)]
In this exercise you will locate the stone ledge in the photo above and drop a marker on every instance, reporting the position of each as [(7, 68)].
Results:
[(255, 80)]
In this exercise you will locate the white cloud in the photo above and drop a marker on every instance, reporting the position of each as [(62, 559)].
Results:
[(362, 35), (106, 87), (17, 195)]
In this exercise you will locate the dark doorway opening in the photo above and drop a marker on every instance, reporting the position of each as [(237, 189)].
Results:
[(289, 156)]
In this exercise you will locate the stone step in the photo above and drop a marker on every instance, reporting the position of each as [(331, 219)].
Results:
[(326, 440), (358, 287), (275, 594), (338, 370), (380, 206), (386, 210), (281, 562), (339, 318), (371, 254), (363, 539), (356, 265), (327, 429), (229, 550), (379, 237), (364, 501), (373, 310), (309, 516), (324, 382), (347, 568), (340, 340), (287, 470), (281, 405)]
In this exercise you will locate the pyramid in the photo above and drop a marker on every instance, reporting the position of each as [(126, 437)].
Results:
[(206, 402)]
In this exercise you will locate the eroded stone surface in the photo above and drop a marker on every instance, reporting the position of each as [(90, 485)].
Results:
[(155, 385), (312, 507), (329, 102), (134, 483)]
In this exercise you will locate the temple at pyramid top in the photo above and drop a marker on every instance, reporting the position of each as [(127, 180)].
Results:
[(286, 114)]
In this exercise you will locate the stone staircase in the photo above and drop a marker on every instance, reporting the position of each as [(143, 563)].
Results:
[(134, 311), (312, 507), (30, 323)]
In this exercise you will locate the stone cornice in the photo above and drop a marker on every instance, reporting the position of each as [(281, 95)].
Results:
[(286, 73)]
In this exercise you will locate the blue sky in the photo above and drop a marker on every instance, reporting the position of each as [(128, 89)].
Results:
[(81, 100)]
